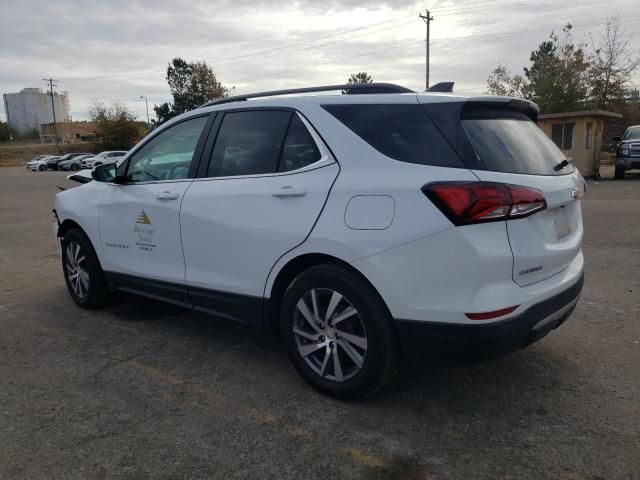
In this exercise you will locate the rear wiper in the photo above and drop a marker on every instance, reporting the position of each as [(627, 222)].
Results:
[(563, 164)]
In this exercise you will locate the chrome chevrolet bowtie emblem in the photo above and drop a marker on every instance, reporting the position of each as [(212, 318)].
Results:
[(576, 193)]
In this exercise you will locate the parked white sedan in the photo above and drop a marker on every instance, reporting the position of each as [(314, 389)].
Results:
[(102, 158), (40, 164)]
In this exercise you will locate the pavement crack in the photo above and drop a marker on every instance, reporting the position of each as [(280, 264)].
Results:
[(110, 365), (128, 428)]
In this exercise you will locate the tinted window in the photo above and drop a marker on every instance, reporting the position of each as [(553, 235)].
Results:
[(299, 148), (249, 143), (169, 154), (402, 132), (509, 141)]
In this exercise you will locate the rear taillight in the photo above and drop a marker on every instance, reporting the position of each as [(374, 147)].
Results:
[(474, 202)]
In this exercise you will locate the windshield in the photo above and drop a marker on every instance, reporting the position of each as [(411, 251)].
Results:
[(632, 133), (509, 141)]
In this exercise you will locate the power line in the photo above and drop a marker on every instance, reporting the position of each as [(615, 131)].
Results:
[(313, 44), (387, 49)]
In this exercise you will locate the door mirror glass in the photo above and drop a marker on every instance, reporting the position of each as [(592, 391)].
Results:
[(104, 173)]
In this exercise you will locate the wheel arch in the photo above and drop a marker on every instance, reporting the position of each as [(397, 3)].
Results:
[(67, 225), (291, 270)]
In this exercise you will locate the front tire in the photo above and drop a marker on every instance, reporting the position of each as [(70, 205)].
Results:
[(74, 167), (42, 168), (619, 173), (82, 271), (338, 333)]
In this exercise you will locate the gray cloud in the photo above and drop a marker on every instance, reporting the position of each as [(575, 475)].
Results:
[(119, 49)]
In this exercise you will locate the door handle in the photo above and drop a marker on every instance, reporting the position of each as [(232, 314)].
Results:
[(167, 195), (289, 191)]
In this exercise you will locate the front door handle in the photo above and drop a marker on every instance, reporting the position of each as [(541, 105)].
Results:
[(289, 191), (167, 195)]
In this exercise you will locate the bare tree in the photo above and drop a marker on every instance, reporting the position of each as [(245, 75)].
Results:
[(613, 62)]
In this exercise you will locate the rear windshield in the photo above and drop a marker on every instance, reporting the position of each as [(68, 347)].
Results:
[(401, 132), (509, 141)]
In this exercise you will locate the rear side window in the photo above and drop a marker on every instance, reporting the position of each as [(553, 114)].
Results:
[(509, 141), (402, 132)]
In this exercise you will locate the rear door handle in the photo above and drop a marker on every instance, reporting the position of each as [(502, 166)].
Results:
[(289, 191), (167, 195)]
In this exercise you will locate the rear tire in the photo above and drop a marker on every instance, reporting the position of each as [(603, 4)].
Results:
[(42, 168), (82, 271), (338, 333), (74, 167), (619, 174)]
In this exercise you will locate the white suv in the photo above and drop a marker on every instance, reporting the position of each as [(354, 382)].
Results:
[(361, 226), (103, 158)]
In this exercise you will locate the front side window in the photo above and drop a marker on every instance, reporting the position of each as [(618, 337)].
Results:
[(259, 142), (169, 154)]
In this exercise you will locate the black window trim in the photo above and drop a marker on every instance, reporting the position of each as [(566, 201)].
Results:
[(197, 153), (326, 155)]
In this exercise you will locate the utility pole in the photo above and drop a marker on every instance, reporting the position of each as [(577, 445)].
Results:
[(427, 19), (53, 107), (6, 111), (146, 102)]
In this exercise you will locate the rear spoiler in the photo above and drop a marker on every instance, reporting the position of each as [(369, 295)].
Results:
[(442, 87), (525, 106)]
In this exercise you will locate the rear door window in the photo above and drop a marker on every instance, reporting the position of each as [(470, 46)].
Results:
[(249, 143), (509, 141), (402, 132)]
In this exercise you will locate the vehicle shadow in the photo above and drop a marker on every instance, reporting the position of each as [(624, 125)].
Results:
[(446, 380)]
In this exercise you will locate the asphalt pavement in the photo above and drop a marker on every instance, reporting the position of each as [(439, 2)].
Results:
[(146, 390)]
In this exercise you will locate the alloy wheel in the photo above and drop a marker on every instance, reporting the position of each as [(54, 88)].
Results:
[(76, 267), (330, 334)]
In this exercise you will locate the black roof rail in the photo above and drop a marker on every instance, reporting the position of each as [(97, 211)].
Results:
[(443, 87), (351, 89)]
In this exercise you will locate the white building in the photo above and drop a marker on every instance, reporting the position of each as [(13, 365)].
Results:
[(31, 108)]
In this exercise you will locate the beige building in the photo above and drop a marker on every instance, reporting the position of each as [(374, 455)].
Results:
[(68, 132), (579, 136)]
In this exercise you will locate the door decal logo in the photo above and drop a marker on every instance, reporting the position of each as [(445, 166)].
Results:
[(143, 218), (145, 234)]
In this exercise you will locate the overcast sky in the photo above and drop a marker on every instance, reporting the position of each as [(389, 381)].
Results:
[(119, 49)]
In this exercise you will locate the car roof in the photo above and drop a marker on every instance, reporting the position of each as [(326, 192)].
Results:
[(282, 99)]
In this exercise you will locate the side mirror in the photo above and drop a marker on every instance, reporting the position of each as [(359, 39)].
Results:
[(104, 173), (616, 139)]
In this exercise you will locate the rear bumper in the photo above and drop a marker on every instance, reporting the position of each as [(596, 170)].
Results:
[(489, 340)]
